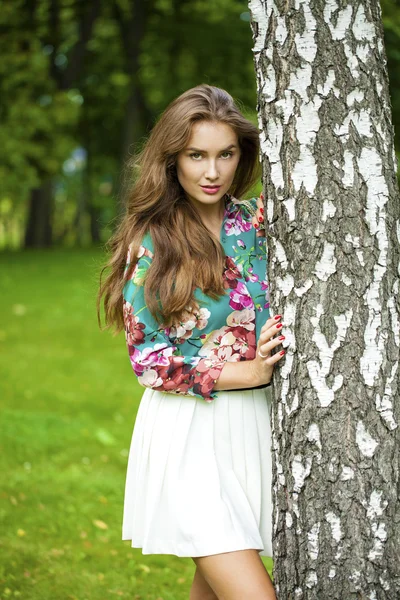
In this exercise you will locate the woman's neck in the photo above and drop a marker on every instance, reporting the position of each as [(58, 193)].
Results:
[(212, 216)]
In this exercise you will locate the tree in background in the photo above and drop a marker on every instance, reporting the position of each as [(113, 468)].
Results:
[(333, 230), (81, 84)]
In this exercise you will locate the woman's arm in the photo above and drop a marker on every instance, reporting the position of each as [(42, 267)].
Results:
[(160, 364), (257, 372), (156, 361)]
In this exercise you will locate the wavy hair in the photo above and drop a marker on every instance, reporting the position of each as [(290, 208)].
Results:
[(186, 254)]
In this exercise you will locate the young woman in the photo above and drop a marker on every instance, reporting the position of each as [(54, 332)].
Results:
[(188, 286)]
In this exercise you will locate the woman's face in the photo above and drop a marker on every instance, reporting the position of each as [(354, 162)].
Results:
[(209, 161)]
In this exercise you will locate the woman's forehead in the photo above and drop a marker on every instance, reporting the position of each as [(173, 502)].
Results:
[(211, 135)]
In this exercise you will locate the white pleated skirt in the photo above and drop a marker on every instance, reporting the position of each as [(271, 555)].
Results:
[(199, 474)]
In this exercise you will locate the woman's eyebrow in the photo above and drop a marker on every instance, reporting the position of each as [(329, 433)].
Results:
[(223, 150)]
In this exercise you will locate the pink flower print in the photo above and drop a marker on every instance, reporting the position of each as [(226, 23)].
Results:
[(234, 224), (144, 252), (133, 328), (241, 244), (242, 318), (134, 355), (250, 276), (245, 345), (202, 317), (157, 355), (231, 273), (150, 378), (240, 297), (216, 339), (230, 227), (198, 318), (207, 372), (141, 252), (182, 331), (226, 353), (211, 366), (264, 287)]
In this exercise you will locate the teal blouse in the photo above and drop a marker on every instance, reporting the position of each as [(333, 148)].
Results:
[(188, 357)]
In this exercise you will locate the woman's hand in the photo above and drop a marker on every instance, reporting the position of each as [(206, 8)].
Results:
[(263, 364), (257, 371), (258, 219)]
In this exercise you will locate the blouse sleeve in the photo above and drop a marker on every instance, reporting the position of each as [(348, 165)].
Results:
[(156, 361)]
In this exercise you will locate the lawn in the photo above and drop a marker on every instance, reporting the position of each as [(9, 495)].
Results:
[(69, 399)]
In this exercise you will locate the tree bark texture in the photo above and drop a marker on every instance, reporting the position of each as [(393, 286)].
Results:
[(333, 234)]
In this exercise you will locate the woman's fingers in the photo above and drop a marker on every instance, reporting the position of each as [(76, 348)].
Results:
[(267, 341), (258, 219), (270, 345), (271, 322), (271, 360)]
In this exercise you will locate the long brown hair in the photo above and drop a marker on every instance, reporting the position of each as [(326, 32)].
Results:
[(186, 255)]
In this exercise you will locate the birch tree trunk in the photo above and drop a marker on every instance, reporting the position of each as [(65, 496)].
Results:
[(333, 234)]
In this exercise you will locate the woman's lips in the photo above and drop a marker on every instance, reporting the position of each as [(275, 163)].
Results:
[(210, 190)]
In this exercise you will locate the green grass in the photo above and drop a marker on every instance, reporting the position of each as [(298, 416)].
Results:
[(69, 399)]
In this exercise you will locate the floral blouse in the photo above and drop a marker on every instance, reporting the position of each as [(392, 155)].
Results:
[(188, 357)]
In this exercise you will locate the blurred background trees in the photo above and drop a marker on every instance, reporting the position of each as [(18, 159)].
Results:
[(82, 83)]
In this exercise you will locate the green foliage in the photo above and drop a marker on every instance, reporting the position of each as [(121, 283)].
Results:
[(37, 132), (52, 103), (391, 23)]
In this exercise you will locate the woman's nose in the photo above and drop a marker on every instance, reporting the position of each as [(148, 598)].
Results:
[(211, 170)]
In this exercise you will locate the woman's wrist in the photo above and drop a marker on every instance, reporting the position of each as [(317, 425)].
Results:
[(238, 375)]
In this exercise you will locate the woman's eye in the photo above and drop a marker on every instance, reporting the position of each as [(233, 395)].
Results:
[(194, 155)]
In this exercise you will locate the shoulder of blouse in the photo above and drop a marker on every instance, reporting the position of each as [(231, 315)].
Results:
[(246, 205), (146, 248)]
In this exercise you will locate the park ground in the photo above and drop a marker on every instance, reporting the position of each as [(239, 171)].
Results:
[(68, 399)]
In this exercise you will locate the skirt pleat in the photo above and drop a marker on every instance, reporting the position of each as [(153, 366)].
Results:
[(199, 474)]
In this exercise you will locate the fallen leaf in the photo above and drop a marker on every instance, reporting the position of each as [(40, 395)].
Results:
[(144, 568), (100, 524), (19, 309), (104, 437)]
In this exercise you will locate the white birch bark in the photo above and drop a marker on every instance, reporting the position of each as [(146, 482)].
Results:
[(333, 234)]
